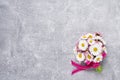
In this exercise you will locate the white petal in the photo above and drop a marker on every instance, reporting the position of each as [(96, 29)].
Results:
[(100, 38), (104, 49)]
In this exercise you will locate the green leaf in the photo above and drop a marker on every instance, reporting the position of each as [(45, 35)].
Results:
[(99, 69)]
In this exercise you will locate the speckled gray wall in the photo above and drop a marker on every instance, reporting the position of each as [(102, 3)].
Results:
[(37, 37)]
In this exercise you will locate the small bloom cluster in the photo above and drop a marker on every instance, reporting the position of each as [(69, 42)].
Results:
[(90, 48)]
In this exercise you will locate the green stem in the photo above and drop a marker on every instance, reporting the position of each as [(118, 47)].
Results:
[(99, 69)]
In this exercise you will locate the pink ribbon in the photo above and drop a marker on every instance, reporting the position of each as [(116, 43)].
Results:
[(80, 67), (104, 54)]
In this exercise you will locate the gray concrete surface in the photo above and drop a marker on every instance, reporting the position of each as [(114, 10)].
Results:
[(37, 38)]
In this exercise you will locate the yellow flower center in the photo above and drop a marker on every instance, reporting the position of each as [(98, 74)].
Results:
[(90, 41), (84, 36), (80, 55), (82, 44), (98, 59), (95, 49), (90, 36), (89, 57)]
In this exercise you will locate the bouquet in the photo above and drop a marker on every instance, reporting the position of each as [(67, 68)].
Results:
[(90, 50)]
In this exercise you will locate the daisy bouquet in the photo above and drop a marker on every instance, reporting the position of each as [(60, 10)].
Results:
[(89, 51)]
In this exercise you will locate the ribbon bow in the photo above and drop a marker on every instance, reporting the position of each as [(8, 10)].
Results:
[(81, 67)]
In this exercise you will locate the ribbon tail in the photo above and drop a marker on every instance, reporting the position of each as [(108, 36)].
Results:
[(78, 67), (76, 70)]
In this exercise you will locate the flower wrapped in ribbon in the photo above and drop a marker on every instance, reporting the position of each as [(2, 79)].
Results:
[(89, 51)]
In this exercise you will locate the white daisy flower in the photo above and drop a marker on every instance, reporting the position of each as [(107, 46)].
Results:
[(103, 41), (89, 57), (83, 45), (98, 58), (100, 38), (104, 49), (97, 37), (89, 35), (95, 49), (91, 41), (80, 56), (84, 37), (99, 43)]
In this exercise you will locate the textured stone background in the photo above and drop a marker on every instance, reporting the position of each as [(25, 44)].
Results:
[(37, 37)]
